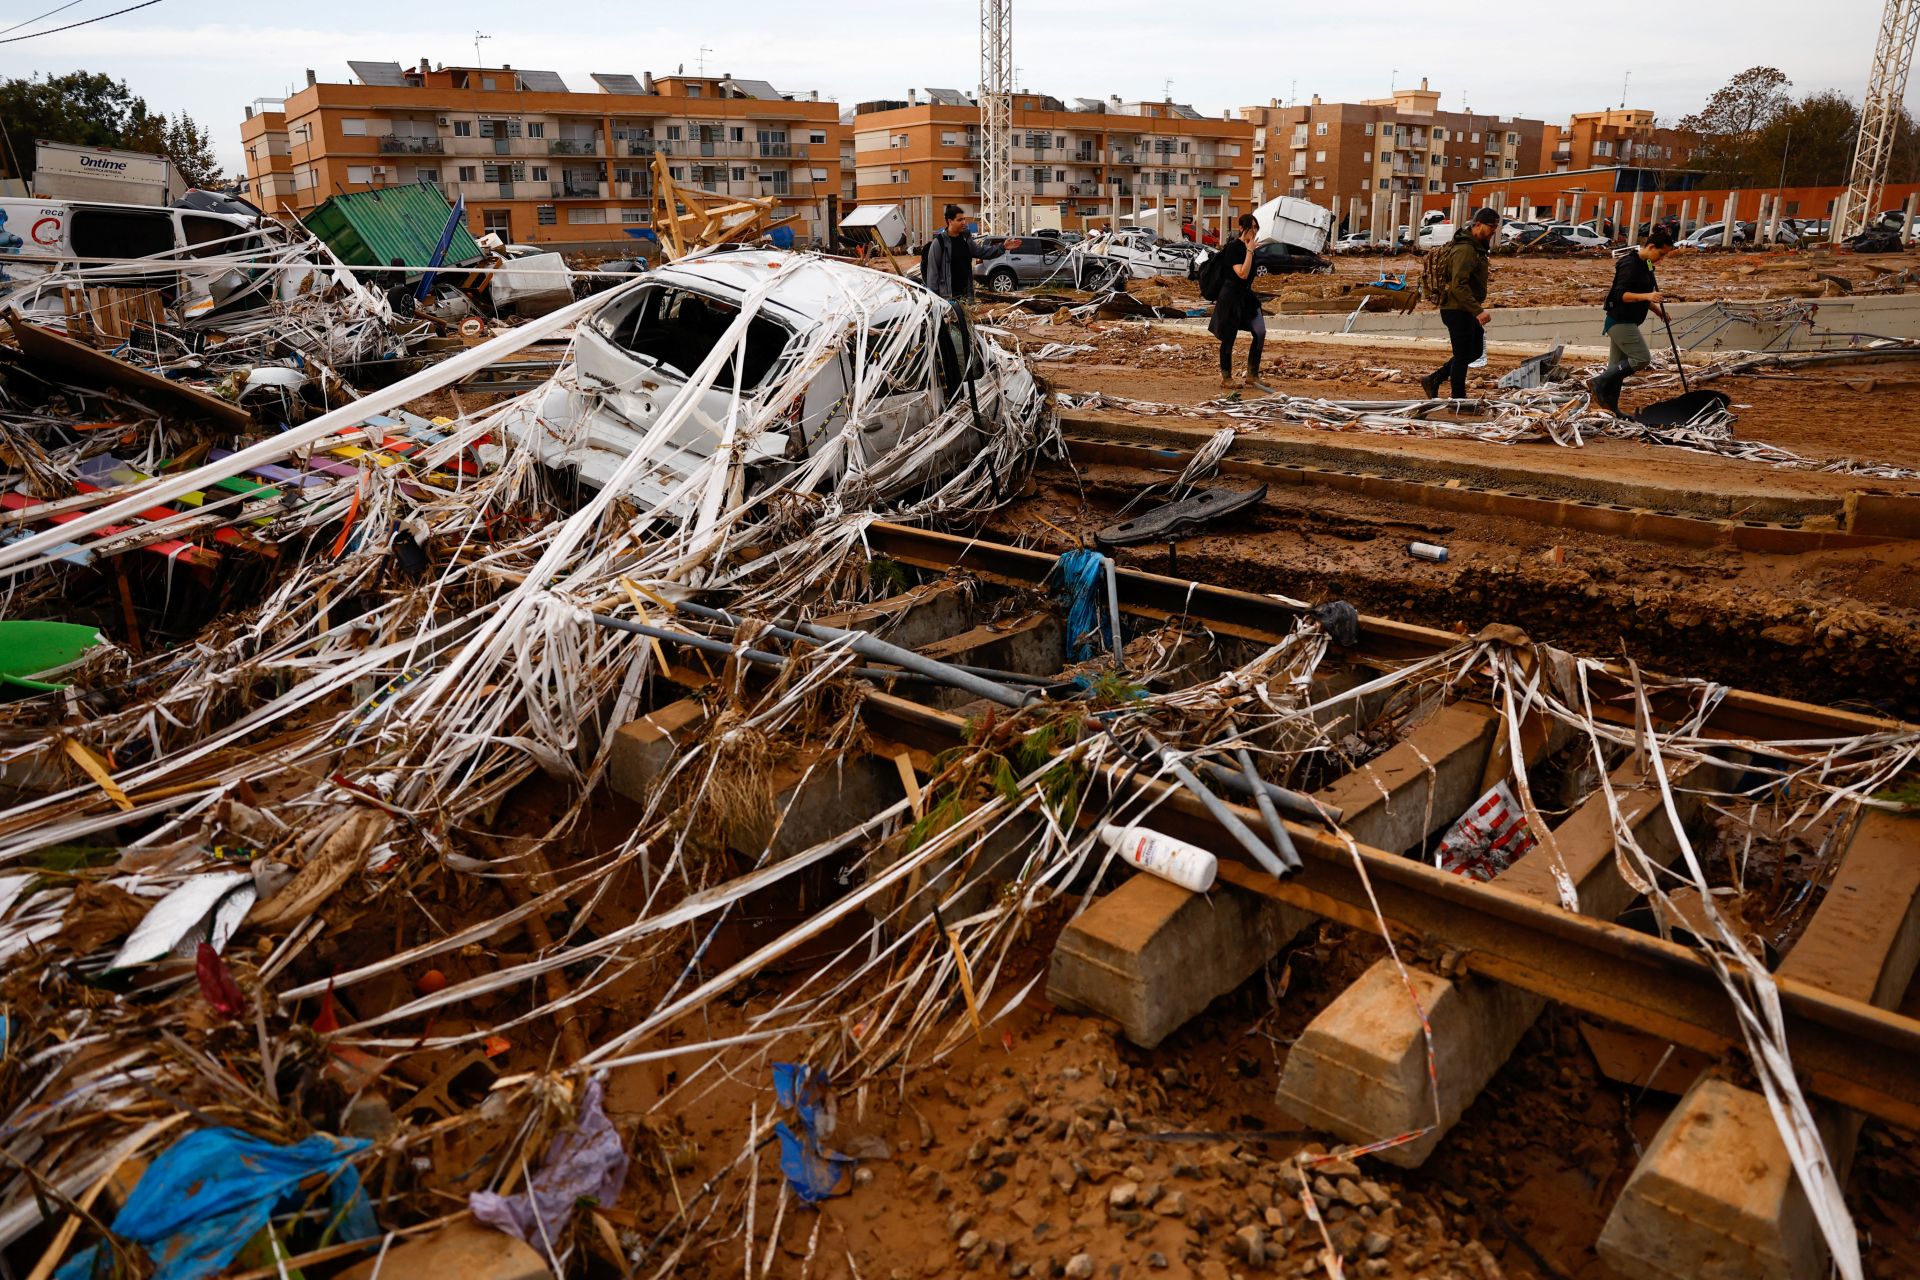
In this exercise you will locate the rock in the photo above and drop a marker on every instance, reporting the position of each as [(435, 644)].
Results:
[(1340, 1169), (1150, 1195), (1349, 1193), (1158, 1261), (966, 1242), (1172, 1205), (1250, 1243), (958, 1222), (1062, 1174), (1376, 1244), (1376, 1193), (1019, 1269), (1274, 1217), (1072, 1074), (863, 1177), (1121, 1195), (1080, 1267), (990, 1181)]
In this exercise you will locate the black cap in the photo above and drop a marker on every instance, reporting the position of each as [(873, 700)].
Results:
[(1487, 217)]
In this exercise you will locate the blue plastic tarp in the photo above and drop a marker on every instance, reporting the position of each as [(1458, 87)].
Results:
[(209, 1193), (814, 1172)]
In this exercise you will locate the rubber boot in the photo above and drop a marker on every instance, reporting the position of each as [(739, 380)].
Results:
[(1606, 390), (1431, 383)]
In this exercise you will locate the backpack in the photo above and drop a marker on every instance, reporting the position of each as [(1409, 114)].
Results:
[(1213, 275), (1434, 273)]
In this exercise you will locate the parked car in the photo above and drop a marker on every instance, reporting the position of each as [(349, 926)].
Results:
[(1029, 260), (1284, 259), (1708, 237), (634, 355), (1357, 242), (1580, 237)]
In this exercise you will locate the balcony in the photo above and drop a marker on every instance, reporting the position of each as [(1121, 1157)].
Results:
[(783, 150), (1122, 157), (393, 145), (574, 189), (574, 146), (652, 146), (1083, 188)]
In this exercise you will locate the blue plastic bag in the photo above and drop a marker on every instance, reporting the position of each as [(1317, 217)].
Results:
[(814, 1173), (209, 1193)]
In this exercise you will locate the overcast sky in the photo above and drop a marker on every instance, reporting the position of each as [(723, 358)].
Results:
[(212, 58)]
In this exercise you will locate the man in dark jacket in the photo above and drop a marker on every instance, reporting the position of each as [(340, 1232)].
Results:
[(1634, 293), (950, 257), (1463, 307)]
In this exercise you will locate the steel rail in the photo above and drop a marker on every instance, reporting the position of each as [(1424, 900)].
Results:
[(1248, 615), (1850, 1052)]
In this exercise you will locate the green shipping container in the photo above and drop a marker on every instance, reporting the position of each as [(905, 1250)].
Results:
[(372, 228)]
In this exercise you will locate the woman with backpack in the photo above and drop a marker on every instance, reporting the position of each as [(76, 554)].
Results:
[(1235, 307)]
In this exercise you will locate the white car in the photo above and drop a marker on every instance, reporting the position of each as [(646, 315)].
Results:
[(1583, 236), (1708, 237), (1356, 242), (1146, 254), (858, 344)]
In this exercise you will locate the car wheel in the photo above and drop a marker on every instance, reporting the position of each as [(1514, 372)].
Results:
[(1002, 281)]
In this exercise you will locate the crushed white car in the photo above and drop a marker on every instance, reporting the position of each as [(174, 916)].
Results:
[(796, 370)]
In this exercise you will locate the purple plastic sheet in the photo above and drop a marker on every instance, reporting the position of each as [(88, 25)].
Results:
[(587, 1164)]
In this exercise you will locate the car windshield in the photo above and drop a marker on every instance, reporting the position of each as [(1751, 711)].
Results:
[(676, 328)]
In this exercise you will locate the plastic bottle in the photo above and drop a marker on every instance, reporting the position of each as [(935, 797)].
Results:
[(1186, 865), (1428, 551)]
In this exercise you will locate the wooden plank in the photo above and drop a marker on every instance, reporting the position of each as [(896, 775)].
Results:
[(1864, 939), (61, 358)]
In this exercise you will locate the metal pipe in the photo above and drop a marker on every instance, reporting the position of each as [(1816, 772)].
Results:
[(708, 644), (1242, 834), (784, 633), (1293, 803), (1113, 606), (942, 672), (1275, 828)]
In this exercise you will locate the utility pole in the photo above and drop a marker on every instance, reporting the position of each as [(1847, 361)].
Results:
[(1879, 117), (996, 116)]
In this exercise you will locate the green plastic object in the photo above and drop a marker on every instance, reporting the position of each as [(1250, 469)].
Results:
[(30, 651)]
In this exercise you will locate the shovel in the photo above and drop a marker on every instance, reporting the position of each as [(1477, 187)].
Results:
[(1686, 406)]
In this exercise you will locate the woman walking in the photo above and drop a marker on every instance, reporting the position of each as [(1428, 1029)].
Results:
[(1237, 308)]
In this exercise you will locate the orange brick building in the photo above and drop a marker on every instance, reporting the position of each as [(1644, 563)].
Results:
[(1363, 160), (1075, 164), (538, 162), (1618, 136)]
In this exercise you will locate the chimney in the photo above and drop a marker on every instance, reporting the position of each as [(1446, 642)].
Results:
[(423, 66), (1273, 104), (813, 95), (646, 82), (506, 66), (913, 97), (1316, 99), (249, 113), (312, 78), (1423, 82), (726, 75)]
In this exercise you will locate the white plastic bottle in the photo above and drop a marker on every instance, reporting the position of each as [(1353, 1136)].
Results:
[(1186, 865)]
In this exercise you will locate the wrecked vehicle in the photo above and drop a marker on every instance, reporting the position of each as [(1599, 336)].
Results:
[(806, 369), (1042, 260)]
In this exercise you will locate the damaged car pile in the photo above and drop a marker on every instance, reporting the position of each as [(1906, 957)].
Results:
[(272, 683)]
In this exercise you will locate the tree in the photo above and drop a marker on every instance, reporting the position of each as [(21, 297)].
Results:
[(88, 108), (1814, 137), (1730, 123)]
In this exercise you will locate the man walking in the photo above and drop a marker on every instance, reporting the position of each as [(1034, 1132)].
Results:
[(948, 266), (1634, 293), (1463, 301)]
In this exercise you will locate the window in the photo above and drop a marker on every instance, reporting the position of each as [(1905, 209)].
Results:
[(1438, 160), (946, 139), (537, 129), (513, 128), (1603, 148), (1319, 157), (487, 127), (949, 175), (739, 174), (359, 173), (1319, 184), (1513, 139), (1366, 157), (540, 173), (673, 133), (677, 172), (1439, 135), (817, 137), (498, 221), (467, 173), (635, 215), (693, 91), (463, 128), (1474, 138), (1320, 129), (543, 215), (429, 176), (488, 83), (1473, 162), (1433, 184), (578, 216), (779, 180), (354, 128), (736, 135), (1369, 129), (1385, 185)]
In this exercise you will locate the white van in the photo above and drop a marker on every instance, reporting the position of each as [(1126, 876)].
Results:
[(38, 237)]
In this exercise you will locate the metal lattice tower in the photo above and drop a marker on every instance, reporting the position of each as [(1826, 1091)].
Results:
[(1880, 114), (996, 116)]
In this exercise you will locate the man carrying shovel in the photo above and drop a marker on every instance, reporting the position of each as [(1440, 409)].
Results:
[(1634, 293)]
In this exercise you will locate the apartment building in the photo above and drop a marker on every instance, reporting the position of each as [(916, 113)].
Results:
[(539, 162), (1399, 150), (1075, 164), (1621, 136)]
